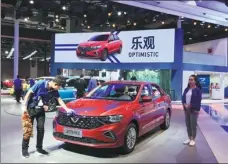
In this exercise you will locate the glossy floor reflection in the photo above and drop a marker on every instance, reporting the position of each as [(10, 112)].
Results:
[(219, 113)]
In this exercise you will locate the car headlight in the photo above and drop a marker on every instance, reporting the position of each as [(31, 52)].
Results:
[(111, 119), (96, 47)]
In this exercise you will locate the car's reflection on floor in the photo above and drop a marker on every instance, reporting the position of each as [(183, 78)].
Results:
[(219, 112)]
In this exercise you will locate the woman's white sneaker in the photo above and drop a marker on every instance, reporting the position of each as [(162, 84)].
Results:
[(187, 142), (192, 143)]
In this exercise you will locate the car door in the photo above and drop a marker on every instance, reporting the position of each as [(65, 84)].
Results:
[(148, 108), (159, 101)]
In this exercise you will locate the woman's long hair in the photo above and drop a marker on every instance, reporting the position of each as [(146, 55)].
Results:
[(197, 82)]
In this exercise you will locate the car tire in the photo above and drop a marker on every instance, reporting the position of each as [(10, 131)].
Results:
[(166, 122), (120, 50), (130, 139), (104, 55)]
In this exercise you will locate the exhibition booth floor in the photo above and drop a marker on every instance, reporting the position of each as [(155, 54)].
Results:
[(156, 147)]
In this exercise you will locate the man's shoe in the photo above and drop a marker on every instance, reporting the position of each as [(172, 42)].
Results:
[(25, 153), (42, 151)]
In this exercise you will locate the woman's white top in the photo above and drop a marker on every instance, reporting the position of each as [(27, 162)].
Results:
[(188, 96)]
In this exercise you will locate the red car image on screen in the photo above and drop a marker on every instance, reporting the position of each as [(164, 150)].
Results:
[(100, 46), (114, 115)]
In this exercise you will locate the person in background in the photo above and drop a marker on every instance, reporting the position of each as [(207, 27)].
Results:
[(31, 82), (81, 86), (191, 101), (18, 88), (92, 83), (217, 86), (133, 78), (37, 101), (211, 87)]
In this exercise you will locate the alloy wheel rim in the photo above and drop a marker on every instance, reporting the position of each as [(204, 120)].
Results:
[(167, 119), (131, 138)]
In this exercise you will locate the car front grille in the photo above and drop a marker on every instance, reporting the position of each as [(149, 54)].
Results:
[(85, 49), (76, 139), (83, 122)]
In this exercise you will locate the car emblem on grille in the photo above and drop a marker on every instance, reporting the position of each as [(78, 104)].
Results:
[(74, 119)]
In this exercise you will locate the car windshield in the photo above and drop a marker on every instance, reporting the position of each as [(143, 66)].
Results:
[(99, 38), (118, 92)]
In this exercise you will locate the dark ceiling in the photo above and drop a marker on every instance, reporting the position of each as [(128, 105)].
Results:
[(41, 18)]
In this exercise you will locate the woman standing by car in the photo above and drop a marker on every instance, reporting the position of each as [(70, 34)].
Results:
[(191, 101)]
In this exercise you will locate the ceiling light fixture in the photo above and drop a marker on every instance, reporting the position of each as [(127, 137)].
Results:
[(209, 26), (11, 53), (6, 52), (134, 23), (31, 2), (88, 27), (119, 13), (25, 19), (190, 38), (56, 16), (30, 55), (125, 13), (113, 25), (109, 14), (163, 22), (57, 20), (195, 23), (64, 7), (205, 35), (226, 29), (85, 15)]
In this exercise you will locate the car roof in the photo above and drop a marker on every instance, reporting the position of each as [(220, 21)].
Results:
[(130, 82)]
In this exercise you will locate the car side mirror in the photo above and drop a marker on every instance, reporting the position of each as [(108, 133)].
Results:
[(146, 99)]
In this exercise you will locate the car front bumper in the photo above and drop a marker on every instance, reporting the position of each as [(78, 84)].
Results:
[(107, 136)]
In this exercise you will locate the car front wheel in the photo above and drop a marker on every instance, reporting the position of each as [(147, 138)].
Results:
[(104, 55), (166, 123), (130, 139)]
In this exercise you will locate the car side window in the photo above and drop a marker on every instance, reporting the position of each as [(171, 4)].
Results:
[(146, 91), (116, 37), (156, 93), (111, 38)]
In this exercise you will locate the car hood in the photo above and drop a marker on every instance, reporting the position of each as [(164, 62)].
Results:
[(92, 43), (91, 107)]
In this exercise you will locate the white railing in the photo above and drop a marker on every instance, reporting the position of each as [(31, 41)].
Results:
[(205, 59)]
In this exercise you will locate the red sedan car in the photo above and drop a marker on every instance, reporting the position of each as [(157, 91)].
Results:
[(100, 46), (114, 115)]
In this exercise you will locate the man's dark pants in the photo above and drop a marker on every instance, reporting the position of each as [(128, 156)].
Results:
[(40, 132), (18, 93)]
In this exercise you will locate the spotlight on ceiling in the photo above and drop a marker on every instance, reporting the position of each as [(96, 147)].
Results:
[(119, 13), (85, 15), (25, 19), (88, 27), (57, 20), (209, 26), (113, 25), (194, 23), (64, 7), (163, 22), (31, 2), (125, 13), (134, 23), (56, 16), (190, 38), (109, 14), (6, 52)]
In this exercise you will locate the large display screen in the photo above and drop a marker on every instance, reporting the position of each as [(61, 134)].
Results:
[(145, 46)]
